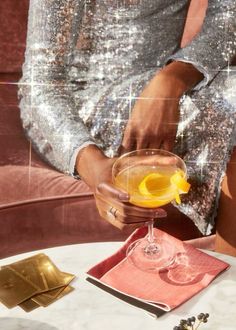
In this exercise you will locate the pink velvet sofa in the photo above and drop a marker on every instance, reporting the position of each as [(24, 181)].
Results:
[(40, 207)]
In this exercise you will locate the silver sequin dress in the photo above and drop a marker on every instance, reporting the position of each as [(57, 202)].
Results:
[(74, 96)]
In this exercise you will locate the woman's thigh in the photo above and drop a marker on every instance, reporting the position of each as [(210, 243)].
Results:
[(206, 135), (225, 221)]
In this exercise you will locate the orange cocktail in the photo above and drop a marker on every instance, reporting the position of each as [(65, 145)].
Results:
[(152, 186)]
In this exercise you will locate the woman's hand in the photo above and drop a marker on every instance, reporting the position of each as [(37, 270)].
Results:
[(155, 116), (112, 203)]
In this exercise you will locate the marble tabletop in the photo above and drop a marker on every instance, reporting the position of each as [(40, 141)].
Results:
[(90, 308)]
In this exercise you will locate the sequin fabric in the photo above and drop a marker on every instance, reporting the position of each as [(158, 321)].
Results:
[(71, 95)]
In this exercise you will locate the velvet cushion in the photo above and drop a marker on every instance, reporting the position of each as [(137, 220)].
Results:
[(53, 222)]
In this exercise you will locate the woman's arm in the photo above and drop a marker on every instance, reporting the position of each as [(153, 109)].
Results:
[(47, 104), (215, 46), (155, 115)]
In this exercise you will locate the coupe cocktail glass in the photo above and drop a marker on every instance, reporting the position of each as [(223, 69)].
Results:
[(153, 178)]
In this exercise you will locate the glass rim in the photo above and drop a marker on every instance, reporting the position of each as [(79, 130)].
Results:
[(149, 150)]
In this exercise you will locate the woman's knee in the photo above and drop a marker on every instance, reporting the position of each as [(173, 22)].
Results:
[(225, 222)]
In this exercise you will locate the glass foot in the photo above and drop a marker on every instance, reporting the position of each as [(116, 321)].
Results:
[(151, 257)]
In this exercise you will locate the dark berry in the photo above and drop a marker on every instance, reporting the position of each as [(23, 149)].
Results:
[(200, 316), (183, 322), (193, 318), (176, 328), (189, 322)]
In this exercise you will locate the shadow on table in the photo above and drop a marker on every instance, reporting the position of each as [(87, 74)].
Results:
[(9, 323)]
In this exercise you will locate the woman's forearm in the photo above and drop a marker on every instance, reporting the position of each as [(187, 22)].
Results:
[(88, 163), (181, 77)]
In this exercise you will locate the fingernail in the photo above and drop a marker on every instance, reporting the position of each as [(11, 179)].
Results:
[(124, 197)]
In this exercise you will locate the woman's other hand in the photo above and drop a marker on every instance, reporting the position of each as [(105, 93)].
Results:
[(113, 204), (155, 115)]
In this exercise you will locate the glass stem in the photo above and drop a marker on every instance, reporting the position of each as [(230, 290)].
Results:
[(151, 248), (150, 231)]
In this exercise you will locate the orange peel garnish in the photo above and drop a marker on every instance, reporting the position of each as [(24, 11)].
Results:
[(158, 185), (179, 181)]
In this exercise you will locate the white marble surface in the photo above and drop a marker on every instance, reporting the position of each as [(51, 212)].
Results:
[(90, 308)]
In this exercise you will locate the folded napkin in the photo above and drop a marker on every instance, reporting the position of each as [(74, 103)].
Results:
[(166, 289), (33, 282)]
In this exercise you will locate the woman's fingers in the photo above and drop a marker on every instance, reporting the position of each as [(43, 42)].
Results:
[(125, 148), (129, 141), (168, 144), (110, 191), (155, 143), (116, 222), (116, 214), (128, 212)]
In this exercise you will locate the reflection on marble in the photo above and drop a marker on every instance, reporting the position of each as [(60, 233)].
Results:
[(90, 308), (7, 323)]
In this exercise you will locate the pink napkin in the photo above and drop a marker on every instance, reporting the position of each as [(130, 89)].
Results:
[(166, 289)]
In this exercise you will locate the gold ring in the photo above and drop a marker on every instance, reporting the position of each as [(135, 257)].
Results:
[(112, 213)]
